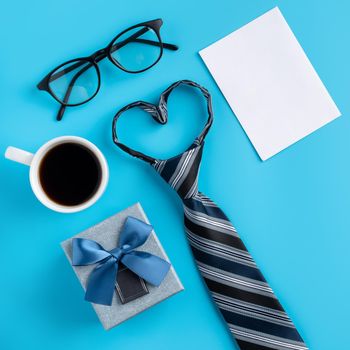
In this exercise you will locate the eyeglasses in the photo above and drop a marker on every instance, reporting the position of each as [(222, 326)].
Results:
[(134, 50)]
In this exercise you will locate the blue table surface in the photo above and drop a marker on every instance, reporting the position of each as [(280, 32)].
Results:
[(292, 211)]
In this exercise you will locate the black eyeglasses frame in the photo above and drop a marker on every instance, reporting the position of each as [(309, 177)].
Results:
[(97, 56)]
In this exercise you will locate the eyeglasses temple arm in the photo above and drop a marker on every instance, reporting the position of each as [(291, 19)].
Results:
[(144, 41), (62, 72), (135, 38), (69, 90), (60, 112), (157, 43)]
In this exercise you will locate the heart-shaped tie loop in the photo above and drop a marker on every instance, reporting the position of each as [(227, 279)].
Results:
[(160, 114)]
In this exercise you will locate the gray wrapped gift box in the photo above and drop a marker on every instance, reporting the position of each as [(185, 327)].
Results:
[(106, 233)]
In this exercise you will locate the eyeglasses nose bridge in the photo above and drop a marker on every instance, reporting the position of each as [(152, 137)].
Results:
[(101, 52)]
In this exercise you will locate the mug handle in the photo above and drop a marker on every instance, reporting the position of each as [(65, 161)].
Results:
[(19, 155)]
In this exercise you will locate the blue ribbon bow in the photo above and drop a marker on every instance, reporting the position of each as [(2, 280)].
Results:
[(101, 283)]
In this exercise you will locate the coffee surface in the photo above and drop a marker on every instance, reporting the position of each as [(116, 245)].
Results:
[(70, 174)]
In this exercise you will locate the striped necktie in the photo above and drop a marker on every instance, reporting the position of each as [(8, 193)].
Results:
[(247, 303)]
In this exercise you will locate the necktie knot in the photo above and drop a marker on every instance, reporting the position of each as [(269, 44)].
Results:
[(181, 172)]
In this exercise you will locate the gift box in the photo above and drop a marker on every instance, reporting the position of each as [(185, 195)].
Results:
[(107, 234)]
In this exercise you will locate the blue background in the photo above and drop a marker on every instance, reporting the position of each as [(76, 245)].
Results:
[(292, 211)]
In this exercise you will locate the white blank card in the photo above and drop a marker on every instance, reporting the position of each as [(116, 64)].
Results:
[(269, 83)]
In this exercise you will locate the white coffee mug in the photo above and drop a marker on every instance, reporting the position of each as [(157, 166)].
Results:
[(34, 161)]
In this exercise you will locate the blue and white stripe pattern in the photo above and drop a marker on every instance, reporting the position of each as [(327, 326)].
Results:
[(247, 303)]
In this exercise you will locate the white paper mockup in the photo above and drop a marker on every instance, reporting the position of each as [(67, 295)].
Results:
[(269, 83)]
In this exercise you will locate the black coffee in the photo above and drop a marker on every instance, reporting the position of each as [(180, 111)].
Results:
[(70, 174)]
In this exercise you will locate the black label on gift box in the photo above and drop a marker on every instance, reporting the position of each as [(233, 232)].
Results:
[(129, 286)]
